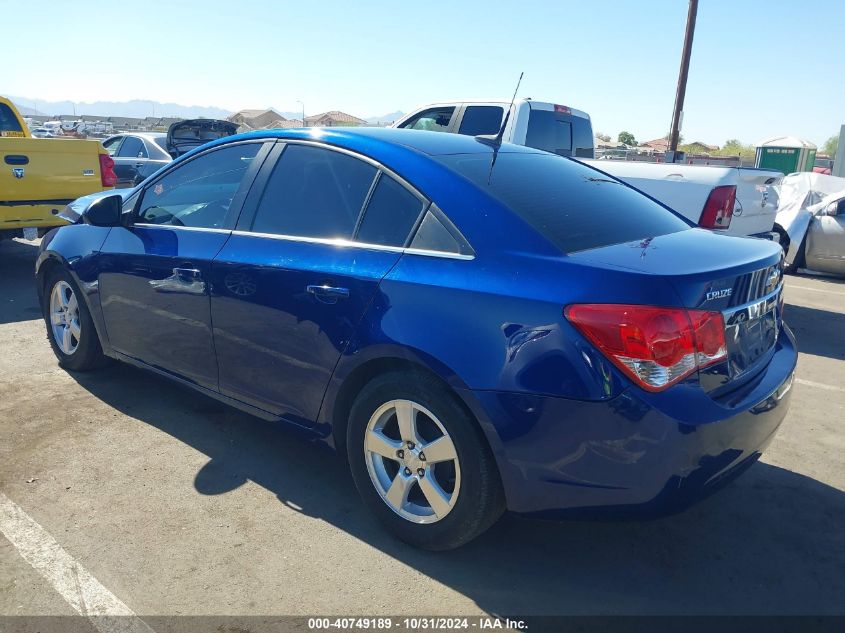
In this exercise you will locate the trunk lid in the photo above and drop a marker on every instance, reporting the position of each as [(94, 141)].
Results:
[(183, 136), (739, 277)]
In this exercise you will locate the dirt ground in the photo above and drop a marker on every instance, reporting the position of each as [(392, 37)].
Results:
[(179, 505)]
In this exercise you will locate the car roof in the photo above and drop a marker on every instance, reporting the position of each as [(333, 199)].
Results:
[(373, 141)]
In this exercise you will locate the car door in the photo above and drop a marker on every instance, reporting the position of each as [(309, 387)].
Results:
[(129, 160), (154, 275), (156, 159), (321, 229), (826, 240)]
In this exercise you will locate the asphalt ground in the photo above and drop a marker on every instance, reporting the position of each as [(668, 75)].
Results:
[(175, 504)]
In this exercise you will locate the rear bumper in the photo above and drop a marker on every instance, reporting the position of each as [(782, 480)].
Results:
[(627, 456), (19, 216), (772, 236)]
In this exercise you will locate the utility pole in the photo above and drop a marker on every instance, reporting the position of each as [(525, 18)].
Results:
[(303, 111), (674, 134)]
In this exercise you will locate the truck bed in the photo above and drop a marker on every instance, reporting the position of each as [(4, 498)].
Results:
[(39, 177)]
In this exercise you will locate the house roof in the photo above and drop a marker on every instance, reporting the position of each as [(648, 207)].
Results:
[(335, 115), (706, 146), (658, 143)]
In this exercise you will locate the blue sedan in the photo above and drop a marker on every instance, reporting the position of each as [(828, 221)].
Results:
[(476, 327)]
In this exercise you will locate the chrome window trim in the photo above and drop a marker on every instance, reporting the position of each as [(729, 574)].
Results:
[(181, 228), (343, 243)]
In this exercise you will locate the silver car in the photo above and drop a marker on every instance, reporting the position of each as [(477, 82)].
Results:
[(812, 211)]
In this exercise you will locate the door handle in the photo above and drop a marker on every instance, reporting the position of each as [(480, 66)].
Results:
[(187, 274), (327, 294)]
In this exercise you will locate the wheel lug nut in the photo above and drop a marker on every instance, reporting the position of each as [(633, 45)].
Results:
[(408, 471), (421, 472), (400, 454), (422, 457), (411, 445)]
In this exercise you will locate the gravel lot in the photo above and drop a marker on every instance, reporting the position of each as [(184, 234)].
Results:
[(179, 505)]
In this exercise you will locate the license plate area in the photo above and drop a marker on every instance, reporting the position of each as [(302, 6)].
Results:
[(750, 332)]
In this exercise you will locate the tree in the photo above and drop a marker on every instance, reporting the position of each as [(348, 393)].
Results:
[(735, 147), (627, 138), (830, 146), (603, 137)]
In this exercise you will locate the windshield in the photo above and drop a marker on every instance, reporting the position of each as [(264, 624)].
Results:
[(573, 206)]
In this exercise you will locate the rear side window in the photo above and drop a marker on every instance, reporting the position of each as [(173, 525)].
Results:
[(391, 214), (550, 132), (314, 192), (481, 120), (8, 121), (573, 206), (437, 233)]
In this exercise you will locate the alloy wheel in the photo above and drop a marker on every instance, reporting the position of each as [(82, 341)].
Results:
[(412, 461), (64, 317)]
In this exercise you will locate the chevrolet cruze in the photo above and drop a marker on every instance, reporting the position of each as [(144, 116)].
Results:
[(476, 327)]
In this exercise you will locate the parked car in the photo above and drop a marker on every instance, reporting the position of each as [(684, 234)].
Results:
[(813, 212), (138, 155), (823, 164), (735, 200), (477, 327), (39, 176), (41, 132)]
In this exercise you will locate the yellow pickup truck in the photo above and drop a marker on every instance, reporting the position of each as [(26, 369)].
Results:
[(39, 176)]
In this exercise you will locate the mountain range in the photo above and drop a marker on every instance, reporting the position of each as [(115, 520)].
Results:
[(138, 108)]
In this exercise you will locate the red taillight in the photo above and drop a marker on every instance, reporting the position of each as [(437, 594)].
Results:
[(657, 347), (107, 175), (719, 208), (562, 109)]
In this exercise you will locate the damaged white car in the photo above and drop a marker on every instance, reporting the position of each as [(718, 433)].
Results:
[(812, 212)]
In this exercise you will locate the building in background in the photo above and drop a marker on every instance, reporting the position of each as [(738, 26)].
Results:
[(333, 118)]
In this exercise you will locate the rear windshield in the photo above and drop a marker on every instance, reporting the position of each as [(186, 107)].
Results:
[(573, 206), (8, 121), (560, 133)]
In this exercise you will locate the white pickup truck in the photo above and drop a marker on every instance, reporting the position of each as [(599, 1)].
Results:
[(736, 200)]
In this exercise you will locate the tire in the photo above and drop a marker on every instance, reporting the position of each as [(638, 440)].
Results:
[(81, 350), (473, 498)]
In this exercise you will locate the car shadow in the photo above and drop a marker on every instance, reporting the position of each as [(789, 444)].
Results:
[(819, 332), (18, 297), (771, 543)]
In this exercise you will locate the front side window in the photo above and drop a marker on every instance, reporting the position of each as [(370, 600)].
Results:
[(480, 120), (199, 193), (314, 192), (391, 214), (132, 148), (433, 119)]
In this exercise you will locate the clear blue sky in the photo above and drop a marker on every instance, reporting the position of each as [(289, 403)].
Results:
[(759, 67)]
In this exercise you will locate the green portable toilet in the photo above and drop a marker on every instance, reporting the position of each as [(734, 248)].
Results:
[(786, 153)]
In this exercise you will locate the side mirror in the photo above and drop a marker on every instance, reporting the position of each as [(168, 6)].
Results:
[(835, 208), (104, 211)]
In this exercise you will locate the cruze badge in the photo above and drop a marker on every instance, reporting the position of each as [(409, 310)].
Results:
[(719, 294), (18, 172)]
